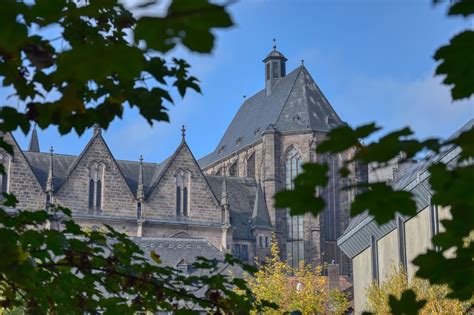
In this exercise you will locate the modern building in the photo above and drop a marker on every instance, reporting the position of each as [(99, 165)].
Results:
[(375, 250), (225, 198)]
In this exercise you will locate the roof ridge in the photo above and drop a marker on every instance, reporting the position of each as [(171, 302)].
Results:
[(26, 160)]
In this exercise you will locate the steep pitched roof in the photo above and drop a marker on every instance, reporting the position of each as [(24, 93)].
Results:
[(39, 163), (242, 193), (295, 104), (260, 215), (34, 142)]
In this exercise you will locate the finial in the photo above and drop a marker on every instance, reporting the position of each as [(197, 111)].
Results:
[(51, 150), (183, 132), (302, 62), (245, 97), (141, 158), (96, 128), (274, 44)]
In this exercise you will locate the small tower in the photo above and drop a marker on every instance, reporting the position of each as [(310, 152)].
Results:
[(140, 199), (34, 143), (275, 68), (50, 180)]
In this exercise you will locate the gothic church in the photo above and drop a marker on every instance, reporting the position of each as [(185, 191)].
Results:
[(224, 201)]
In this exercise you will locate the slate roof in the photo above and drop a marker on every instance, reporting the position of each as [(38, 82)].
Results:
[(34, 143), (173, 250), (295, 104), (356, 236), (242, 193), (260, 215)]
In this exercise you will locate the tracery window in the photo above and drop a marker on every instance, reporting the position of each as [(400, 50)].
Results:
[(183, 183), (96, 187), (251, 166), (294, 224)]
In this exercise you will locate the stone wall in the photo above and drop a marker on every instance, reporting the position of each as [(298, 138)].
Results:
[(117, 199), (22, 181), (202, 204)]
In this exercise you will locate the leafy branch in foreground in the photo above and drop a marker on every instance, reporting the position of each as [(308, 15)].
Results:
[(101, 58), (68, 270)]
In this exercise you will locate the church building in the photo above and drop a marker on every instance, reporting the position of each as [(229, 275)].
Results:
[(224, 198)]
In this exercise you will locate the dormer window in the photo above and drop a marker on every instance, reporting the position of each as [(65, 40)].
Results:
[(183, 267), (330, 121), (221, 149)]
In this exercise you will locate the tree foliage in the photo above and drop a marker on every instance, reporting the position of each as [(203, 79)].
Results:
[(51, 265), (451, 185), (73, 64), (386, 297), (301, 289), (101, 58)]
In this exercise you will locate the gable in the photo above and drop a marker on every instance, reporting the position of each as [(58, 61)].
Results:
[(23, 182), (202, 204), (117, 199)]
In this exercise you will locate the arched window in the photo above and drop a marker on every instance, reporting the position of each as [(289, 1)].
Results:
[(96, 176), (178, 201), (99, 195), (139, 210), (185, 201), (294, 224), (183, 183), (251, 166), (91, 194)]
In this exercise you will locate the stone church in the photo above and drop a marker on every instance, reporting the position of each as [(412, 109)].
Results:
[(225, 199)]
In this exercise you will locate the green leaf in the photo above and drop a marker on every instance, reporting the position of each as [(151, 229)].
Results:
[(466, 142), (342, 138), (462, 7), (303, 198), (457, 64), (407, 305), (383, 202)]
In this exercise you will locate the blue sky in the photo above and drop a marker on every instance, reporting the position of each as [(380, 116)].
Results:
[(372, 59)]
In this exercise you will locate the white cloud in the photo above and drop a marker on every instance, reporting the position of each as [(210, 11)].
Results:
[(424, 104)]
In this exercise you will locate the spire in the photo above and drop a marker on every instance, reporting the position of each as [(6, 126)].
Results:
[(34, 143), (183, 132), (140, 190), (49, 181)]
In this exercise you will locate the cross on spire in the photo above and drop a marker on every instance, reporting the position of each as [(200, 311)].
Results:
[(51, 150), (141, 158), (183, 132), (274, 44)]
